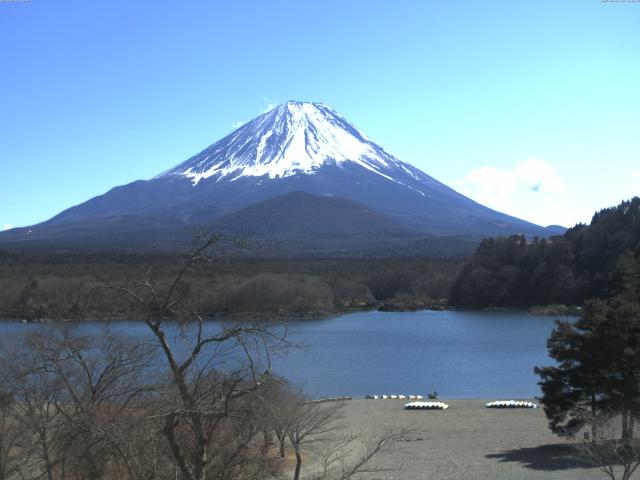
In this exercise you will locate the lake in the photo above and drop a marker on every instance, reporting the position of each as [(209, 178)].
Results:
[(458, 354)]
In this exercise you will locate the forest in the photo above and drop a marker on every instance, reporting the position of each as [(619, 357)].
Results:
[(599, 260), (80, 286)]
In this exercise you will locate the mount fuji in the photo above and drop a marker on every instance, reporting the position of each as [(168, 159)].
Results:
[(299, 153)]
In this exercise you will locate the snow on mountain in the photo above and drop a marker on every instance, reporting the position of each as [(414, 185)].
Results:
[(295, 137)]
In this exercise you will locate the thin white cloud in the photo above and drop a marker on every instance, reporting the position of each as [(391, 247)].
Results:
[(270, 105), (7, 226), (532, 190)]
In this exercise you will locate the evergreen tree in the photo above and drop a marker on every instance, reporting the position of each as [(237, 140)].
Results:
[(598, 369)]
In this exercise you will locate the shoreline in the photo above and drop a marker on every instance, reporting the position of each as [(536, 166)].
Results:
[(437, 306), (311, 315)]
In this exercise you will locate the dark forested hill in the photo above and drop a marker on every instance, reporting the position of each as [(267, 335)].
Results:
[(596, 260)]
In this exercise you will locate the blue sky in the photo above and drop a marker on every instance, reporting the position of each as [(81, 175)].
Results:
[(531, 107)]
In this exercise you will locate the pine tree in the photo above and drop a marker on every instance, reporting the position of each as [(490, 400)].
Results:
[(598, 370)]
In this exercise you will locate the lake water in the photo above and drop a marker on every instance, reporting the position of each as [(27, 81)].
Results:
[(457, 354)]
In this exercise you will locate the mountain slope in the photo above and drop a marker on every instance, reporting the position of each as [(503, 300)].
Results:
[(300, 214), (296, 147), (300, 224)]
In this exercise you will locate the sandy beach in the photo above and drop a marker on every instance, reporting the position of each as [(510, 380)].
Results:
[(468, 441)]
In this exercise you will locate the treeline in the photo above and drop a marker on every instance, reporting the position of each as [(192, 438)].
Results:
[(598, 260), (81, 286)]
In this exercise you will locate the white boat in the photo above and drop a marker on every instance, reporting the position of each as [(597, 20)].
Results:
[(426, 406), (511, 404)]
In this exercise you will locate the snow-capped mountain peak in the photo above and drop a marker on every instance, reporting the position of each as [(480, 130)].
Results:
[(293, 138)]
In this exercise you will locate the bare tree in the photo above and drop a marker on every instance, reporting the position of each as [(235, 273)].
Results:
[(310, 422), (13, 441), (616, 448), (101, 378), (346, 457), (76, 397), (209, 371), (279, 403), (35, 395), (314, 428)]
